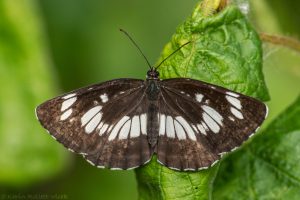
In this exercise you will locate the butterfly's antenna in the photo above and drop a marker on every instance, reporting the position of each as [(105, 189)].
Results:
[(135, 44), (171, 55)]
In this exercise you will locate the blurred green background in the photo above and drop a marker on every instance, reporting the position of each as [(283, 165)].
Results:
[(48, 47)]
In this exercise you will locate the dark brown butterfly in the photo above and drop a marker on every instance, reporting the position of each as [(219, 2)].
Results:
[(120, 124)]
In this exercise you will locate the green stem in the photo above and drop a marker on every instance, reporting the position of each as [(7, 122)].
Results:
[(288, 42)]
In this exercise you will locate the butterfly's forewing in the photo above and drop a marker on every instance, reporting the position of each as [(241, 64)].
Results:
[(104, 122), (199, 122)]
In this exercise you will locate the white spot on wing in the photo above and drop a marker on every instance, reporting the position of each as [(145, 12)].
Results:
[(144, 124), (213, 114), (231, 118), (116, 129), (162, 125), (201, 168), (109, 128), (90, 162), (135, 127), (236, 113), (69, 96), (66, 115), (130, 168), (201, 128), (199, 97), (100, 126), (195, 128), (52, 136), (174, 168), (253, 133), (189, 169), (115, 168), (214, 163), (235, 148), (104, 98), (267, 111), (125, 130), (234, 101), (36, 113), (187, 127), (67, 103), (91, 126), (214, 127), (232, 94), (179, 131), (89, 115), (204, 126), (103, 129), (170, 127), (160, 162)]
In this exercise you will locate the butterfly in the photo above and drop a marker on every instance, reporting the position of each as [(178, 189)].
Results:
[(122, 123)]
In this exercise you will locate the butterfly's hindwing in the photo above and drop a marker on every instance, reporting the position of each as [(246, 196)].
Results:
[(104, 122), (199, 122)]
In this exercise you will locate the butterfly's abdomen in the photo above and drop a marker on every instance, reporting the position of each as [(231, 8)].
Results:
[(152, 124)]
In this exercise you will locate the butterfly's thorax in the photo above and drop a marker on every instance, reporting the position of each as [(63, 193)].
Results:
[(152, 92), (153, 89)]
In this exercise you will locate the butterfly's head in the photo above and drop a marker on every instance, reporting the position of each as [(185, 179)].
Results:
[(152, 74)]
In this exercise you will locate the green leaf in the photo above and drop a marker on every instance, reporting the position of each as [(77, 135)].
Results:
[(268, 167), (158, 182), (225, 51), (27, 153)]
